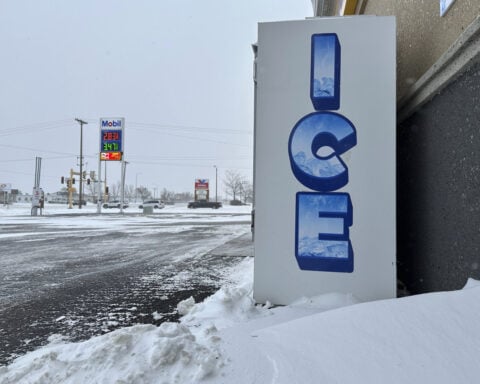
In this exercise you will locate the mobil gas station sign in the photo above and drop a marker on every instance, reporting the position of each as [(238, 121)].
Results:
[(112, 138), (325, 159)]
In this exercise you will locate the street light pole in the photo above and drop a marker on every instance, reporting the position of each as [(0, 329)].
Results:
[(81, 122)]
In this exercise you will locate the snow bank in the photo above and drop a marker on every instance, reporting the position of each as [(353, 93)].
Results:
[(431, 338), (139, 354)]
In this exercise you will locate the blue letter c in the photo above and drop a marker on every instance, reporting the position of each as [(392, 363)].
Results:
[(314, 167)]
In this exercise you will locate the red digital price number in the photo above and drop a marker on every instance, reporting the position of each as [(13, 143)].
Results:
[(109, 136)]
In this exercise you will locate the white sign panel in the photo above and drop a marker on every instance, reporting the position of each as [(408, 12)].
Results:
[(5, 187), (325, 159), (36, 196)]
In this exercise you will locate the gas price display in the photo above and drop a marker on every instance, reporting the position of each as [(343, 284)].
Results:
[(111, 145)]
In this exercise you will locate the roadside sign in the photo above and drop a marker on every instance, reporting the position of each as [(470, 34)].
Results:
[(5, 187), (325, 180), (201, 183), (111, 138)]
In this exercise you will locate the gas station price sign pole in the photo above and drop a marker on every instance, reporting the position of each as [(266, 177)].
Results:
[(111, 145)]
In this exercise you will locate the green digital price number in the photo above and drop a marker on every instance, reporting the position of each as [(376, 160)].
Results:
[(110, 147)]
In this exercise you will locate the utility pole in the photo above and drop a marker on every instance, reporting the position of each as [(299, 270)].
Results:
[(37, 195), (122, 190), (80, 197)]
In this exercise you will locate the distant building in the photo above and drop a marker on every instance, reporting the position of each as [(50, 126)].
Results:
[(8, 196), (57, 197)]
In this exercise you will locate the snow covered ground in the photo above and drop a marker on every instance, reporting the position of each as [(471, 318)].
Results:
[(24, 209), (430, 338)]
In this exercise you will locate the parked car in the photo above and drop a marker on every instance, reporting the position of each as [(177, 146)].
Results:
[(115, 204), (75, 202), (157, 204)]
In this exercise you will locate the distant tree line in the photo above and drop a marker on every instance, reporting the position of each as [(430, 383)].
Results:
[(237, 188)]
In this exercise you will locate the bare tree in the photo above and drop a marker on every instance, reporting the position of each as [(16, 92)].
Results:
[(129, 192), (167, 195), (144, 193), (114, 191), (247, 191), (233, 183)]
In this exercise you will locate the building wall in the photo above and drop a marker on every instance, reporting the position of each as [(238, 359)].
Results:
[(422, 35), (438, 226), (438, 163)]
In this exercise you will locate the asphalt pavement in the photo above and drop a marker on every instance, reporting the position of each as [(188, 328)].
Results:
[(75, 283)]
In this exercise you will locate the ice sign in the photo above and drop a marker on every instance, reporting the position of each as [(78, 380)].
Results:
[(315, 147), (325, 72)]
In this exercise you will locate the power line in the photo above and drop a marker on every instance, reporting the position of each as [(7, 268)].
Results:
[(197, 138), (35, 150), (190, 165), (38, 127), (15, 160), (42, 126), (189, 158), (190, 128)]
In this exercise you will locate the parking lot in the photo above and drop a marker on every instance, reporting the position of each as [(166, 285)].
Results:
[(74, 275)]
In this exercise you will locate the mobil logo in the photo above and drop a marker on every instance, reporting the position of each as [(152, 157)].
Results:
[(112, 123)]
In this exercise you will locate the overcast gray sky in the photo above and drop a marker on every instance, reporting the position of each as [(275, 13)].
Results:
[(179, 72)]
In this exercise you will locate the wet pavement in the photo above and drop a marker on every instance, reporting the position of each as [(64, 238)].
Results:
[(81, 283)]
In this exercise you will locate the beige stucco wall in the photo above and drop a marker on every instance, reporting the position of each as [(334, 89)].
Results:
[(422, 35)]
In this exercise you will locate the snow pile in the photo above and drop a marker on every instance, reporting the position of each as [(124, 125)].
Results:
[(139, 354), (431, 338), (171, 353), (472, 283), (227, 307)]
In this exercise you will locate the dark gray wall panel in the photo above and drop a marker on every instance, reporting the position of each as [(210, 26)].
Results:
[(439, 189)]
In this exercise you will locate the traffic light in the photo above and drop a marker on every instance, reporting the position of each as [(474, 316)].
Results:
[(88, 181), (62, 180), (73, 180), (106, 190)]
